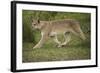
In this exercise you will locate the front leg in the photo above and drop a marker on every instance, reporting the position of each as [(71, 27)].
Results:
[(42, 41), (67, 37), (56, 40)]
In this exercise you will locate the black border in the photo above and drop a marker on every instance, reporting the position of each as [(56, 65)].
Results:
[(13, 35)]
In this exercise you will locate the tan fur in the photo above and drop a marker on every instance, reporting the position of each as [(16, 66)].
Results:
[(53, 28)]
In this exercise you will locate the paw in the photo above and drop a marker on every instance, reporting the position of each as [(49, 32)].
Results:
[(59, 46), (64, 44), (36, 47)]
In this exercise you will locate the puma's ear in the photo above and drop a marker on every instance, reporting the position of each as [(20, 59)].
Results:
[(38, 21)]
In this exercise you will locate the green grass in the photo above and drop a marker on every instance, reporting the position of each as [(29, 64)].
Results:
[(76, 49)]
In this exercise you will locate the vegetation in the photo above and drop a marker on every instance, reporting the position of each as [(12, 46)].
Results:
[(76, 49)]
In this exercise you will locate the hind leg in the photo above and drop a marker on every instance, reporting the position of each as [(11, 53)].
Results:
[(78, 33), (76, 30), (56, 41), (67, 37)]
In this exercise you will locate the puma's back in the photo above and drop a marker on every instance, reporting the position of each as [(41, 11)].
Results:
[(64, 25)]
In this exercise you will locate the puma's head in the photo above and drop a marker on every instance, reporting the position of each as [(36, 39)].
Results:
[(36, 24)]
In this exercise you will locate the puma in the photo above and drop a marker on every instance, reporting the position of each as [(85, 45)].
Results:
[(55, 27)]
